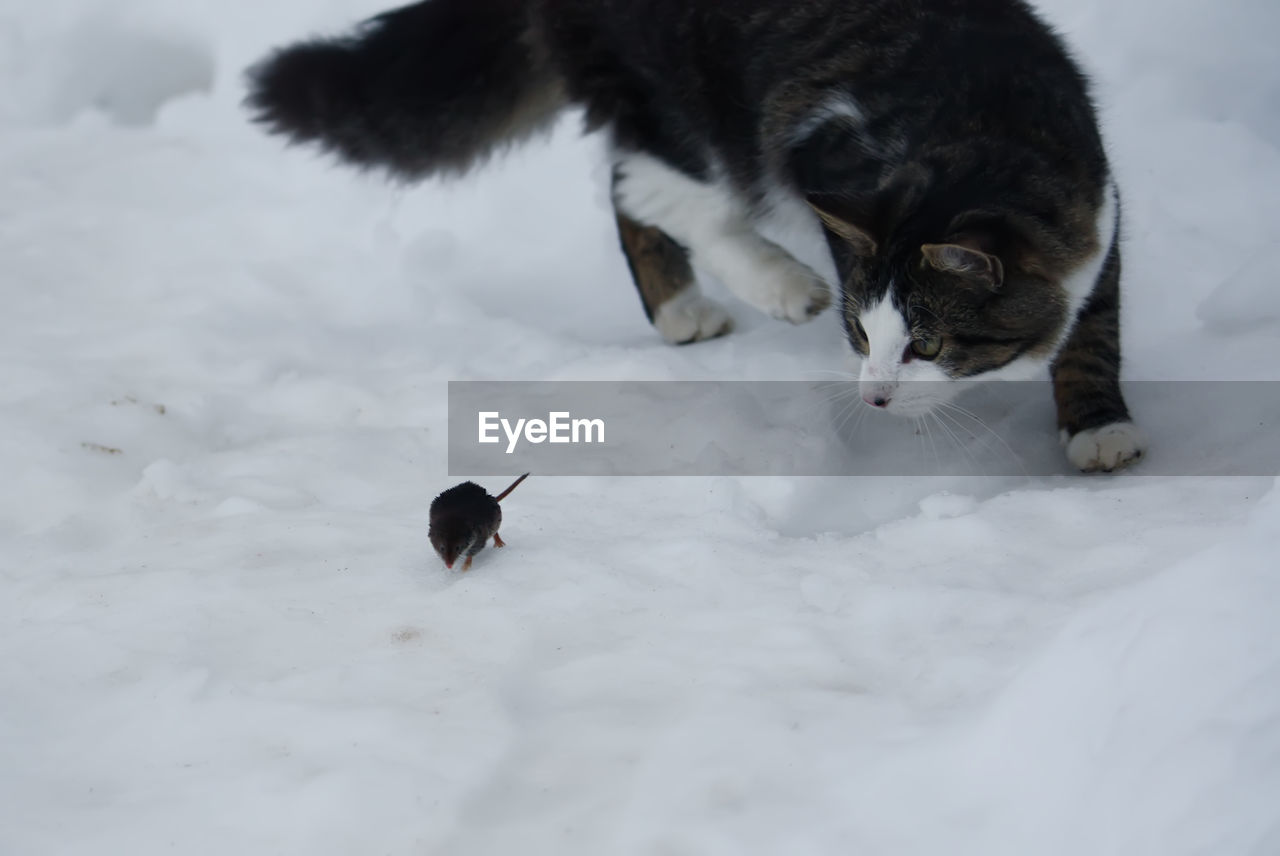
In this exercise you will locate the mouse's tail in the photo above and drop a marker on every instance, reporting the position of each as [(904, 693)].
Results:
[(514, 485), (425, 89)]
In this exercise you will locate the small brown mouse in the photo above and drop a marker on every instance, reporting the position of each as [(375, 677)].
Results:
[(462, 520)]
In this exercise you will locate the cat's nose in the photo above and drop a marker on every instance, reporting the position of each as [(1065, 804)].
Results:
[(877, 392)]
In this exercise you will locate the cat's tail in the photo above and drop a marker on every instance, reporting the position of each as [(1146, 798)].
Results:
[(425, 89)]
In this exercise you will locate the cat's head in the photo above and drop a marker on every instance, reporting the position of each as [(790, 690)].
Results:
[(926, 304)]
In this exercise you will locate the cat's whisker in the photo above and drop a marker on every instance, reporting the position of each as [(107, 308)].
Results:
[(955, 410), (853, 408), (955, 438), (841, 394), (834, 399), (836, 373), (937, 460), (984, 444), (862, 415), (959, 429), (926, 440)]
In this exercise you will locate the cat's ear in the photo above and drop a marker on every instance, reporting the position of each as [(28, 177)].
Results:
[(866, 218), (965, 258), (839, 220)]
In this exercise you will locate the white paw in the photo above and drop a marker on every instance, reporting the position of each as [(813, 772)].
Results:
[(691, 317), (1107, 448), (789, 290)]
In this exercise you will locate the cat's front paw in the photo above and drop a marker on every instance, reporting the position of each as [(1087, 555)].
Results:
[(799, 294), (690, 317), (1106, 448)]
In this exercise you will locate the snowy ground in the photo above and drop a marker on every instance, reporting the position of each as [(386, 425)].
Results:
[(222, 629)]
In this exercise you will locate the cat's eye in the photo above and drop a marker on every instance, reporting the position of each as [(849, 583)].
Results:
[(859, 330), (927, 348)]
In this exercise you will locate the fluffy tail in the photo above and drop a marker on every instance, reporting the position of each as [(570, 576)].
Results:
[(426, 89)]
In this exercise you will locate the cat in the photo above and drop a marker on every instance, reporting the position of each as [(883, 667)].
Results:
[(948, 150)]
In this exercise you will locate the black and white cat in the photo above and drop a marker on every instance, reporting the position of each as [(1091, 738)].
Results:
[(948, 149)]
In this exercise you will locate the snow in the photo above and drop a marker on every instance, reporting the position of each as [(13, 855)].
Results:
[(223, 420), (1245, 300)]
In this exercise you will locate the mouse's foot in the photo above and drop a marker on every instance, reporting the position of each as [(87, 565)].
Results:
[(497, 540), (466, 566)]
